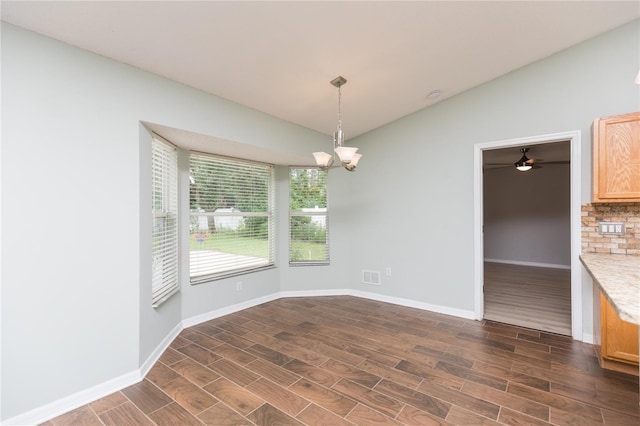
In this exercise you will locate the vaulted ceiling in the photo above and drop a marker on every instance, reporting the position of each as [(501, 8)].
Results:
[(278, 57)]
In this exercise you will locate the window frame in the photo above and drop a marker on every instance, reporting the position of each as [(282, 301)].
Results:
[(311, 214), (269, 214)]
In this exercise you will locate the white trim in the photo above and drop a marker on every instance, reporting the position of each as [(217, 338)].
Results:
[(576, 184), (71, 402), (478, 235), (159, 350), (207, 316), (461, 313), (587, 338), (576, 236), (199, 319), (316, 293), (535, 264)]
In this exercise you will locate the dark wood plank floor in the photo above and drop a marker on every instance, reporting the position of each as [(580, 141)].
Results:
[(344, 360)]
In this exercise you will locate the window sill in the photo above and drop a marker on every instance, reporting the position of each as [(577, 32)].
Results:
[(209, 278), (164, 298), (296, 264)]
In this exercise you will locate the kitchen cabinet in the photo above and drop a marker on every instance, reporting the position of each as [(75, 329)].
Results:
[(616, 158), (619, 340)]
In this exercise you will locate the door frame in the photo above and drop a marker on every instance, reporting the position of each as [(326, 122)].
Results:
[(574, 138)]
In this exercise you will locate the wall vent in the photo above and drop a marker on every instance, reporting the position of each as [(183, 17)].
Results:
[(371, 277)]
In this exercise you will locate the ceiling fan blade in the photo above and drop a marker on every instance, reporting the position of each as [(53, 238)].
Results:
[(529, 162)]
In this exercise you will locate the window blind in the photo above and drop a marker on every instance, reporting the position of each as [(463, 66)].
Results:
[(164, 171), (231, 224), (308, 217)]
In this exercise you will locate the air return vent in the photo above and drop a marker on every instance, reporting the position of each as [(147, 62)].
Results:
[(371, 277)]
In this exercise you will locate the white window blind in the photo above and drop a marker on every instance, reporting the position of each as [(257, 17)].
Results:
[(164, 168), (231, 226), (308, 217)]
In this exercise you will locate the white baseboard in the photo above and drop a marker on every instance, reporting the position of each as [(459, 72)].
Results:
[(588, 338), (159, 350), (71, 402), (461, 313), (64, 405), (216, 313), (536, 264), (315, 293), (207, 316)]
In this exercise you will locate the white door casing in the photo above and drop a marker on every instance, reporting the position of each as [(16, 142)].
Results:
[(574, 138)]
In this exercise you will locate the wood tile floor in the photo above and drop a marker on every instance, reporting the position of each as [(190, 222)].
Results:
[(343, 360), (527, 296)]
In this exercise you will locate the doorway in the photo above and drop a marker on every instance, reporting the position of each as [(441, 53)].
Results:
[(527, 240), (569, 264)]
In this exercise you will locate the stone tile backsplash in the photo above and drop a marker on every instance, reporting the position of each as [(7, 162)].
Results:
[(594, 242)]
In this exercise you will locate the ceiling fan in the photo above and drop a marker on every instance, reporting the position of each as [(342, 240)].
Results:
[(524, 164)]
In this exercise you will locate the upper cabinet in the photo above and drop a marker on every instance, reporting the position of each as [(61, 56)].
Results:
[(616, 158)]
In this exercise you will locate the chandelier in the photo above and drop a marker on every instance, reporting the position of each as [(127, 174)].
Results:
[(347, 155)]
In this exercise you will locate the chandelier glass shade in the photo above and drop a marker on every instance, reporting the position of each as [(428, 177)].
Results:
[(323, 159)]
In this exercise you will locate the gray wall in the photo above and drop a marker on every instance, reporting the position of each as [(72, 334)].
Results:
[(75, 224), (412, 201), (74, 227), (527, 215)]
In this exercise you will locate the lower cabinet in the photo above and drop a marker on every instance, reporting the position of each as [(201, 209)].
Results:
[(619, 340)]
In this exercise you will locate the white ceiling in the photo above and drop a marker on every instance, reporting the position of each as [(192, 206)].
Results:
[(278, 57)]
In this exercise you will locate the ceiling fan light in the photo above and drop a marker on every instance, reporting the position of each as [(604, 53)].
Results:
[(524, 164)]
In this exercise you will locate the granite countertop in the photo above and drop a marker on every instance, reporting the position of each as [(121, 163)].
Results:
[(618, 276)]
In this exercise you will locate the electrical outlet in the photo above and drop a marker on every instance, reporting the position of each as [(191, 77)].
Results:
[(388, 271), (611, 228), (239, 286)]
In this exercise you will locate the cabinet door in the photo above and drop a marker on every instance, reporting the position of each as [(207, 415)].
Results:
[(616, 158), (619, 338)]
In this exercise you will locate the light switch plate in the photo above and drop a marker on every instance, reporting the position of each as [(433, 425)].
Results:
[(611, 228)]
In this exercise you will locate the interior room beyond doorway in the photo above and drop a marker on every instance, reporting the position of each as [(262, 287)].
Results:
[(527, 237)]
